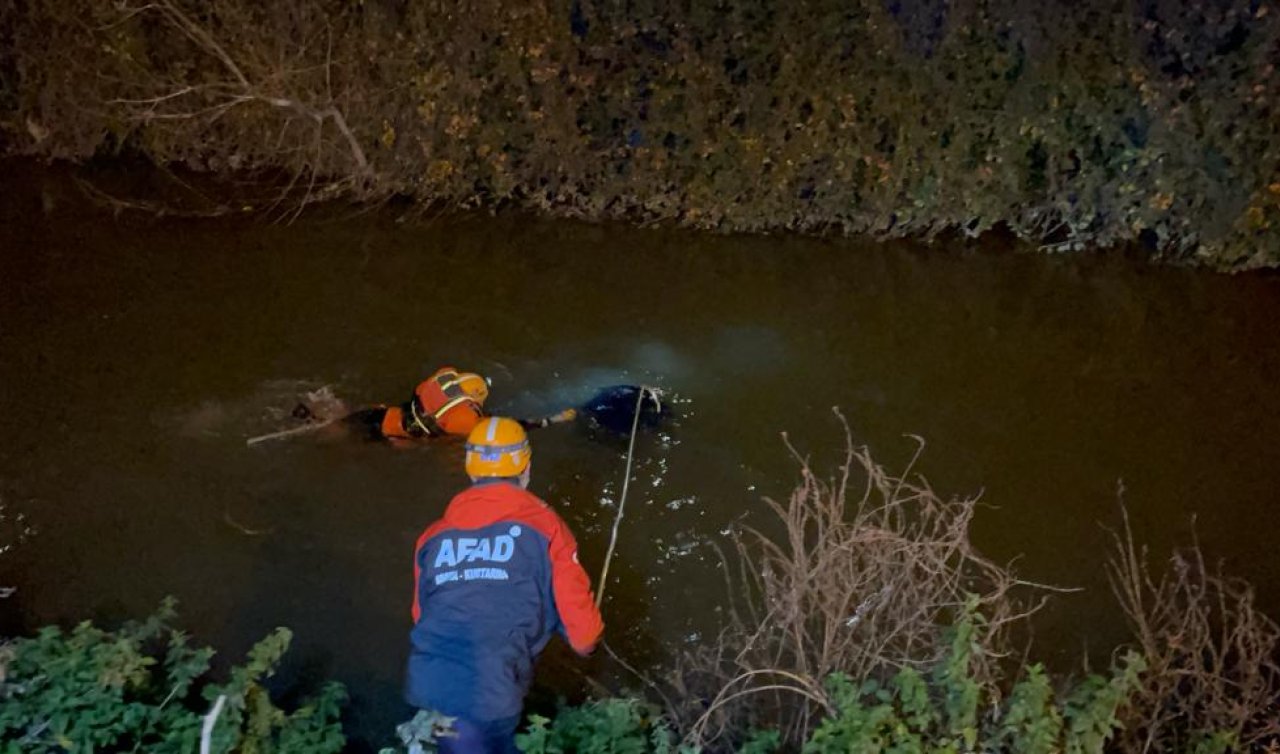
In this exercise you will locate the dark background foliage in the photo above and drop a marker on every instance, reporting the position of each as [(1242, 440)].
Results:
[(1077, 124)]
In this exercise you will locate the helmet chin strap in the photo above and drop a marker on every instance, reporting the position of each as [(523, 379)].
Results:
[(521, 480)]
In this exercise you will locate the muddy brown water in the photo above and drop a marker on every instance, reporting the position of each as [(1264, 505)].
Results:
[(138, 354)]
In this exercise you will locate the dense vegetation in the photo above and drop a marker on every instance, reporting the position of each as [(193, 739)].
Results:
[(946, 710), (1085, 123), (869, 623), (145, 688), (134, 690)]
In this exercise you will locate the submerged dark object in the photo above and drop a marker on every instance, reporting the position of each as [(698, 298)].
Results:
[(613, 408)]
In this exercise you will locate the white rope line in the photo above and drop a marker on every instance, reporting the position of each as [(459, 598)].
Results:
[(206, 730), (626, 482)]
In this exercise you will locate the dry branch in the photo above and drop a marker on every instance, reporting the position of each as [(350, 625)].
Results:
[(866, 575), (253, 70), (1213, 658)]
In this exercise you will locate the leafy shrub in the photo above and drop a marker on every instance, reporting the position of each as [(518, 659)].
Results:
[(947, 709), (609, 726), (143, 687), (950, 711)]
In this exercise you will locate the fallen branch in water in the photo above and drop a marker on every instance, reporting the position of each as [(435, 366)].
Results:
[(226, 516), (118, 204), (318, 404), (304, 429)]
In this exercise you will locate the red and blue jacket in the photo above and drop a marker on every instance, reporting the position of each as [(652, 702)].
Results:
[(493, 579)]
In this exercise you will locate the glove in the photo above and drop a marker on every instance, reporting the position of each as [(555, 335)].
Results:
[(568, 415)]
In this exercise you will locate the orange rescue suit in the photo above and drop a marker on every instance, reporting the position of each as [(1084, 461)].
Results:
[(441, 405)]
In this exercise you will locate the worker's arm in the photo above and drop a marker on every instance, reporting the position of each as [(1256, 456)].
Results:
[(416, 611), (568, 415), (572, 588)]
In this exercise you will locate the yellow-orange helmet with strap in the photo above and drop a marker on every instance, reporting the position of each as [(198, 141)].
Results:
[(498, 447), (471, 384)]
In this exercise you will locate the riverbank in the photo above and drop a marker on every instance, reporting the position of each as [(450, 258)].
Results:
[(1073, 126), (142, 352), (866, 621)]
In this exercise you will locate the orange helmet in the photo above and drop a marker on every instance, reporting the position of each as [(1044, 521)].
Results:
[(473, 385), (498, 447)]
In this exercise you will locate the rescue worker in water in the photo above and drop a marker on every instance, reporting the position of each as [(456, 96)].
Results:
[(494, 578), (448, 402)]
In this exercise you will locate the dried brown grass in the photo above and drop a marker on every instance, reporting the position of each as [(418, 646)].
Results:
[(1212, 655), (869, 572), (864, 572)]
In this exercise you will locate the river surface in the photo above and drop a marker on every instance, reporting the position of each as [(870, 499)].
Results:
[(138, 354)]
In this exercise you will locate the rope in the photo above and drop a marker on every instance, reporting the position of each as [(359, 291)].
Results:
[(622, 499)]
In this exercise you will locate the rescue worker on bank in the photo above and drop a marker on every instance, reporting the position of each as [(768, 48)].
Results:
[(448, 402), (493, 580)]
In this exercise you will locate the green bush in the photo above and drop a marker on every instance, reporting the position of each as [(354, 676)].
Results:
[(1086, 123), (946, 710), (949, 712), (608, 726), (143, 687)]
